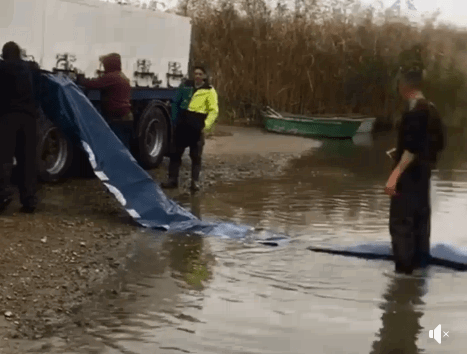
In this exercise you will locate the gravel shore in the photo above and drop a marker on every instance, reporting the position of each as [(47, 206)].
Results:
[(54, 261)]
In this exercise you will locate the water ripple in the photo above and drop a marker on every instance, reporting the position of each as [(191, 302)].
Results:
[(224, 296)]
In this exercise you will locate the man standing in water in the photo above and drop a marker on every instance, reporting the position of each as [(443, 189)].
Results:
[(420, 139), (194, 111)]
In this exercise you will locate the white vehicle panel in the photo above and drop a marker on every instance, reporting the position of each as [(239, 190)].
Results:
[(88, 29)]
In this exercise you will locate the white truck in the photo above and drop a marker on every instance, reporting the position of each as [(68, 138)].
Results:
[(67, 37)]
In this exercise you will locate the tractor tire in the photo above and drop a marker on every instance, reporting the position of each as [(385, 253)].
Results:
[(152, 138), (54, 151)]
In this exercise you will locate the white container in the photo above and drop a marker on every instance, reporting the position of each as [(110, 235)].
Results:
[(88, 29)]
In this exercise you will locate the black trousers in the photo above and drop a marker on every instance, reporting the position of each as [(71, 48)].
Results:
[(409, 226), (183, 138), (18, 137)]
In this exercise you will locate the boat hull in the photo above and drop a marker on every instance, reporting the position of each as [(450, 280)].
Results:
[(317, 127), (367, 125)]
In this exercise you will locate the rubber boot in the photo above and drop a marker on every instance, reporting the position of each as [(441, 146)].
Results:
[(171, 183), (29, 205), (195, 172)]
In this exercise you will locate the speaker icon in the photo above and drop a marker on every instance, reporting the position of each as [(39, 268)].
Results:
[(437, 334)]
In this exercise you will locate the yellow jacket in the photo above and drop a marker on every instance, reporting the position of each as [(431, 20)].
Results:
[(204, 101)]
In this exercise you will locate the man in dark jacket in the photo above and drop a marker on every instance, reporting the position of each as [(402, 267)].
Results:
[(115, 92), (421, 138), (18, 113)]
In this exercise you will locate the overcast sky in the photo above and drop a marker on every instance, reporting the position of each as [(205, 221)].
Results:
[(454, 11)]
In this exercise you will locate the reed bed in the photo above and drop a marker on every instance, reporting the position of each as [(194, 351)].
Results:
[(319, 62)]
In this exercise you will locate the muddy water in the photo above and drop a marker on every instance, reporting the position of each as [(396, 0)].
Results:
[(203, 295)]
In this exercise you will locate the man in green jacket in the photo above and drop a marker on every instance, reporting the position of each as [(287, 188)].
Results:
[(194, 112)]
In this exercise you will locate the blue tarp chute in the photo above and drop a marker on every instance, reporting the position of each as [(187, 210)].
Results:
[(67, 106)]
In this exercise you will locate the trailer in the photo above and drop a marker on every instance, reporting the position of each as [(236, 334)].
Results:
[(67, 37)]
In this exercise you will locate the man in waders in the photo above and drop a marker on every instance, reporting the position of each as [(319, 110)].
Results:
[(18, 127), (420, 139), (194, 112), (116, 94)]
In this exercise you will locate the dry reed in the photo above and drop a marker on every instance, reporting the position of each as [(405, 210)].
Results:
[(334, 64)]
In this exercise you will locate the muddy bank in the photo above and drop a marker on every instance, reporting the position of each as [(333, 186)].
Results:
[(54, 261), (236, 153)]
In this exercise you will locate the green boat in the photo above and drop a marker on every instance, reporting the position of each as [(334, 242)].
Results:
[(322, 126)]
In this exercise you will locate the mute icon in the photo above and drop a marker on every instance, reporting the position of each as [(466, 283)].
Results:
[(437, 334)]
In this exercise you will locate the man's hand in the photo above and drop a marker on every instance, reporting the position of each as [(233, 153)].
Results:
[(390, 188), (406, 160), (208, 130)]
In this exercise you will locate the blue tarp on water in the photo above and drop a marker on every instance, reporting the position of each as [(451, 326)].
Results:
[(441, 254), (67, 106)]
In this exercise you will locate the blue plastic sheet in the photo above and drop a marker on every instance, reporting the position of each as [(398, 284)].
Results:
[(441, 254), (67, 106)]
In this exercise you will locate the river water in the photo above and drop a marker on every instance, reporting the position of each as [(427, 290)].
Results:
[(185, 294)]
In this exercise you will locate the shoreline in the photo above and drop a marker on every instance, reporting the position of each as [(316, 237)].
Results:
[(57, 260)]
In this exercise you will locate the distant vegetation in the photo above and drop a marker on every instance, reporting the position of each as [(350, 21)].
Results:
[(322, 60), (337, 58)]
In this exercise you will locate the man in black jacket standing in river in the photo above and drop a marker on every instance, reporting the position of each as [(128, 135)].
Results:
[(18, 112), (420, 139)]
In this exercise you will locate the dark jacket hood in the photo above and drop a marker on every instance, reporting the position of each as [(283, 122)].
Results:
[(112, 62)]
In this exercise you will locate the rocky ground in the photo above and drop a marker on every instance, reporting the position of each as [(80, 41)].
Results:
[(54, 261)]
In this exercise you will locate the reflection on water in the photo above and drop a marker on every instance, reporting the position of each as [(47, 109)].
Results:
[(186, 259), (204, 295), (337, 189), (195, 205), (401, 318)]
